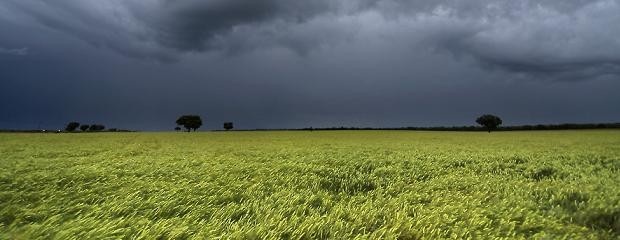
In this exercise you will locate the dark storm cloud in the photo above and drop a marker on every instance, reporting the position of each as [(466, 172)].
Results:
[(105, 24), (191, 25), (563, 40), (284, 63), (157, 29)]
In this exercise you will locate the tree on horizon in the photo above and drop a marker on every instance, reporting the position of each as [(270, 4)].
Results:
[(96, 127), (491, 122), (228, 125), (190, 122), (72, 126)]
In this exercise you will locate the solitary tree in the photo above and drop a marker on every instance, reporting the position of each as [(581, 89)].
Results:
[(489, 121), (190, 122), (84, 127), (72, 126), (177, 129), (228, 125)]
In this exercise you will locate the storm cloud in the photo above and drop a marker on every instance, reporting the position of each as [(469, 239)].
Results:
[(567, 40), (561, 40), (322, 56)]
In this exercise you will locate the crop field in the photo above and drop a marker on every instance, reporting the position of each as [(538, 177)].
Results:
[(311, 185)]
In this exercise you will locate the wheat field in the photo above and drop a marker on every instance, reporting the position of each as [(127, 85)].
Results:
[(311, 185)]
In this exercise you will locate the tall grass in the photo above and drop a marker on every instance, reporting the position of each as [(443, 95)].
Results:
[(311, 185)]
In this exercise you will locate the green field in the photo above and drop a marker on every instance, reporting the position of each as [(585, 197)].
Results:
[(311, 185)]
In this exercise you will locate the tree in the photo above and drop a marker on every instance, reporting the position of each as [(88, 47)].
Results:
[(177, 129), (190, 122), (96, 127), (72, 126), (84, 127), (228, 125), (489, 121)]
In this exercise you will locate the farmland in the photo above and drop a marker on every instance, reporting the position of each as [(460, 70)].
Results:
[(311, 185)]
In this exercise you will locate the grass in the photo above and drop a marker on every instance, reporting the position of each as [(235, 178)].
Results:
[(311, 185)]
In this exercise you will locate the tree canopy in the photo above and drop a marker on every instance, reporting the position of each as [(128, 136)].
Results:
[(190, 122), (96, 127), (72, 126), (84, 127), (489, 121)]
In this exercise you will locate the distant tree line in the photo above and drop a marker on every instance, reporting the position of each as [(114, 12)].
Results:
[(487, 122), (193, 122), (74, 126), (565, 126)]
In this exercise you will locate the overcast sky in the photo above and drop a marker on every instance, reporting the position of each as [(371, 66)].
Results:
[(139, 64)]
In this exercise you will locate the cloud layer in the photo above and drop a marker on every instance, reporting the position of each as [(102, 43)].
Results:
[(558, 39), (359, 61)]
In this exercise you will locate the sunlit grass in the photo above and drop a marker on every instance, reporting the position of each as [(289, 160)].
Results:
[(311, 185)]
